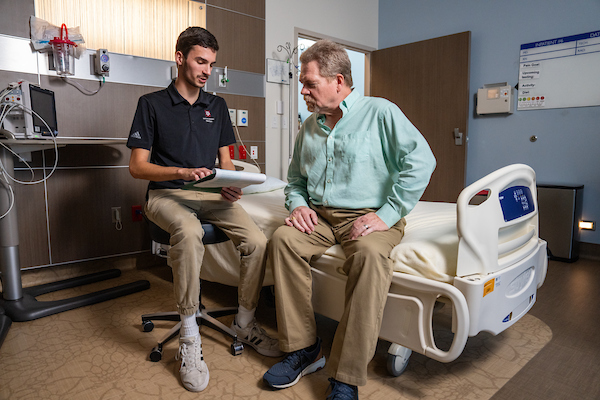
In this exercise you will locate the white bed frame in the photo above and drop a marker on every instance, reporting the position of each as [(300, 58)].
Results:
[(500, 266)]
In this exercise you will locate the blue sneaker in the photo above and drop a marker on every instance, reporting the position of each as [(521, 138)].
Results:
[(342, 391), (294, 366)]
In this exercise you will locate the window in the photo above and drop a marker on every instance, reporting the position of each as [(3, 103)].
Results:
[(146, 28)]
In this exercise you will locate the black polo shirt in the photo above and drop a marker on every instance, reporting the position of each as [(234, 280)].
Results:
[(179, 134)]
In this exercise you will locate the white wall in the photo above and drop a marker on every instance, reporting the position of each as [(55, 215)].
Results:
[(353, 21)]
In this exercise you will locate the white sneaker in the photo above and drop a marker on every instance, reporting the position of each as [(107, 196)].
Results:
[(256, 337), (193, 369)]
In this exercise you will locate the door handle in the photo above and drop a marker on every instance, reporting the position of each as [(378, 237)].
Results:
[(458, 137)]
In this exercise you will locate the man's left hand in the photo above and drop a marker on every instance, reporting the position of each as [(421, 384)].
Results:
[(231, 193), (366, 224)]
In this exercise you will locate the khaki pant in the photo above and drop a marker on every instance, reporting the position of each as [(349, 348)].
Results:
[(369, 272), (179, 212)]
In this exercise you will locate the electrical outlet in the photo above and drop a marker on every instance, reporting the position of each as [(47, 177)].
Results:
[(254, 152), (242, 151), (136, 213), (232, 116), (231, 151)]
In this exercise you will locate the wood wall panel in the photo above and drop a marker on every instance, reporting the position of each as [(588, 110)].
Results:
[(31, 219), (14, 17), (255, 8), (106, 114), (241, 40), (81, 155), (80, 202)]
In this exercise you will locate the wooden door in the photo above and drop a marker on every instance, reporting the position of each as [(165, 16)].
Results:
[(429, 81)]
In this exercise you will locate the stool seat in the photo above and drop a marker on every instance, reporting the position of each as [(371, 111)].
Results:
[(212, 234)]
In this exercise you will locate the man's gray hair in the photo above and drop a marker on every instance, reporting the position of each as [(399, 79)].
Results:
[(331, 58)]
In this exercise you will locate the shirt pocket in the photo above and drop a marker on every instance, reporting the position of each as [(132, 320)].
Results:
[(355, 147)]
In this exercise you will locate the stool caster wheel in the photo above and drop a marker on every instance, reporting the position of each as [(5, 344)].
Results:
[(237, 348), (147, 326), (156, 354)]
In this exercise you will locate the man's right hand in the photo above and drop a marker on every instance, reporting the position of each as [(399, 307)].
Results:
[(302, 218), (141, 168), (193, 174)]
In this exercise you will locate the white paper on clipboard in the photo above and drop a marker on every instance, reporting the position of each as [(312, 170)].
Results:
[(226, 178)]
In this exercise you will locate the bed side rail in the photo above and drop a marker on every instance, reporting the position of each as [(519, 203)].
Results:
[(408, 316), (504, 228)]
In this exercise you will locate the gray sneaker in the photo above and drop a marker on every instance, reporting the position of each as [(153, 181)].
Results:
[(193, 369), (256, 337)]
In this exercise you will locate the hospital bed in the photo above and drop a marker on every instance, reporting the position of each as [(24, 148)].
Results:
[(483, 257)]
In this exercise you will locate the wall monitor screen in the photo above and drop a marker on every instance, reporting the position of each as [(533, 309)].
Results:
[(44, 105)]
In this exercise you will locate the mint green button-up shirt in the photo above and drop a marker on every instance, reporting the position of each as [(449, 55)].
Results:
[(374, 157)]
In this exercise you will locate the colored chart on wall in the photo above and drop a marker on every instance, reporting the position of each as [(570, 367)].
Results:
[(560, 73)]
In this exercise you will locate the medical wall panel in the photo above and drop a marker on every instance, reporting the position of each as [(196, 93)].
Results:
[(254, 133), (241, 39), (256, 111)]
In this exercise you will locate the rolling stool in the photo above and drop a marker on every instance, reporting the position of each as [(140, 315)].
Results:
[(160, 241)]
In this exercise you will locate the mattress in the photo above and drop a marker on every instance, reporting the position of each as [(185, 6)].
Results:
[(429, 248)]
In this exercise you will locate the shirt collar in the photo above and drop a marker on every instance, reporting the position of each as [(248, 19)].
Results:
[(345, 105), (349, 101), (176, 98)]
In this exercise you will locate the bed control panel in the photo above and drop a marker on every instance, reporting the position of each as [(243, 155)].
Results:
[(516, 201)]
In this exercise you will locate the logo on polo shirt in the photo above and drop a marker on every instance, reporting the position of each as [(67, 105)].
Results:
[(208, 117), (136, 135)]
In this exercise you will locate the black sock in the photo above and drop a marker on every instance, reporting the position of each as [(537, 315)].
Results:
[(313, 347)]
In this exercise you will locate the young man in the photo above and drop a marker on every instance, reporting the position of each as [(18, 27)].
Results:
[(176, 136), (359, 166)]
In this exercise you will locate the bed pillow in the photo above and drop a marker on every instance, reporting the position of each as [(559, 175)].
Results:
[(268, 185), (429, 247)]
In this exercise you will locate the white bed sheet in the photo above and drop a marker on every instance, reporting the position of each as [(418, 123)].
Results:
[(429, 248)]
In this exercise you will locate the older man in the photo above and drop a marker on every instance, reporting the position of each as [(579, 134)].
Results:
[(359, 166)]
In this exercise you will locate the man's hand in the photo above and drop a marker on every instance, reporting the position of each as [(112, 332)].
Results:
[(193, 174), (231, 193), (302, 218), (366, 224)]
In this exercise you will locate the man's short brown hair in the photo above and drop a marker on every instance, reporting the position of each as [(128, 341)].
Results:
[(331, 58), (195, 35)]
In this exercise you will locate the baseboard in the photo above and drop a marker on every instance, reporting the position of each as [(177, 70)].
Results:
[(589, 251), (46, 274)]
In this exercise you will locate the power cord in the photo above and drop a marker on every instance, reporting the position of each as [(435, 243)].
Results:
[(6, 109), (242, 143), (81, 88)]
